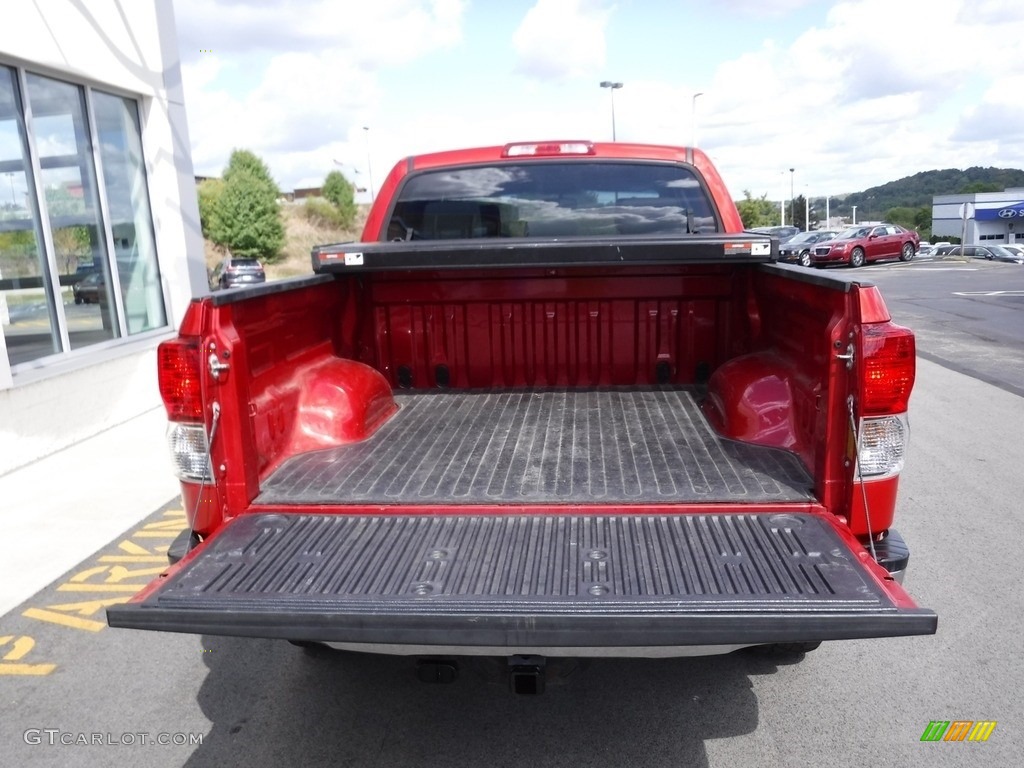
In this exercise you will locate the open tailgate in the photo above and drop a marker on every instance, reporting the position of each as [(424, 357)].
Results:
[(521, 581)]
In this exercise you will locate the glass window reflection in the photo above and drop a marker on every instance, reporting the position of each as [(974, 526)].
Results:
[(124, 180), (68, 180), (27, 316)]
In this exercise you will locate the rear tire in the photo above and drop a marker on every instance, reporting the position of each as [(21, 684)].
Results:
[(857, 257), (805, 259), (908, 252)]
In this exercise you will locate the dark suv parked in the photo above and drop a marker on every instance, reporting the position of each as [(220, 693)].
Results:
[(235, 270)]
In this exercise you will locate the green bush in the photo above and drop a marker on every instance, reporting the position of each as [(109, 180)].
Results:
[(322, 213), (341, 194)]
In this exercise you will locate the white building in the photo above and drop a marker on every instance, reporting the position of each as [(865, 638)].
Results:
[(993, 218), (100, 246)]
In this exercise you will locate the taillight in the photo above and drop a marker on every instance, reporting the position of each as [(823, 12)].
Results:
[(179, 370), (190, 453), (889, 365), (882, 445)]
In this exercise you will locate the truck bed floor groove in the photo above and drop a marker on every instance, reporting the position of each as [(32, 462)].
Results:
[(542, 446)]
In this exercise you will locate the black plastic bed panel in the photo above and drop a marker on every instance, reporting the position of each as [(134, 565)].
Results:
[(542, 447)]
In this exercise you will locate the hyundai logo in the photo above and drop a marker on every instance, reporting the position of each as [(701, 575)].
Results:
[(1009, 213)]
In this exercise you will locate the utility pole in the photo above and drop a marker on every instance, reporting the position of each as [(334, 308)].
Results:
[(792, 213), (612, 87), (693, 115), (369, 168)]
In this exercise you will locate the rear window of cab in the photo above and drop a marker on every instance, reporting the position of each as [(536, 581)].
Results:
[(552, 199)]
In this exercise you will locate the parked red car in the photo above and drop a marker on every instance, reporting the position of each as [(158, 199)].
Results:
[(858, 245)]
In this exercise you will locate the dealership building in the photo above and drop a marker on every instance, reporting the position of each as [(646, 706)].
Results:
[(993, 218), (100, 244)]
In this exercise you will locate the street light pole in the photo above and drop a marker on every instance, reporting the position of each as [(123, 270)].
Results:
[(612, 87), (693, 116), (792, 212), (855, 214), (782, 202), (369, 168)]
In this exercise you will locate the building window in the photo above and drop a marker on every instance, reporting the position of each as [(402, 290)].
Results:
[(131, 225), (28, 319), (78, 263)]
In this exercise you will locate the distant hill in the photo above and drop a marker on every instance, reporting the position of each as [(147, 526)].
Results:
[(917, 191)]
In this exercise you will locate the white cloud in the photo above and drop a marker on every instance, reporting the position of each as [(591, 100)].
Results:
[(316, 68), (561, 39), (867, 98), (375, 34), (875, 91)]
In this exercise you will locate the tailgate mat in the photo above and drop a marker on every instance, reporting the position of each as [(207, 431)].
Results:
[(528, 580), (556, 447)]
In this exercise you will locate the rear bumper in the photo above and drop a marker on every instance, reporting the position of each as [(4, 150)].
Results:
[(530, 582)]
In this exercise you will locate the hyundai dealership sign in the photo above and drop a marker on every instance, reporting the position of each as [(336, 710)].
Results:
[(1011, 212)]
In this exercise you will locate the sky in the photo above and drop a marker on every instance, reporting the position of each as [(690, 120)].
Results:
[(849, 94)]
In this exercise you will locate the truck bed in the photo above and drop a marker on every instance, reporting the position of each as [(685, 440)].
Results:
[(566, 446)]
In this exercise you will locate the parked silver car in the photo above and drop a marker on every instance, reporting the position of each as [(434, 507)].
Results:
[(1017, 250), (988, 252)]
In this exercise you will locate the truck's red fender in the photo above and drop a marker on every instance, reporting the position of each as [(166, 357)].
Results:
[(340, 401), (750, 399)]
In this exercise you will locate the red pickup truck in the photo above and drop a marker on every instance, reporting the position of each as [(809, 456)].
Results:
[(557, 403)]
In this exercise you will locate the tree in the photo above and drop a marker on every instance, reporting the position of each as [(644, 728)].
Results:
[(805, 215), (240, 212), (72, 242), (18, 253), (341, 194), (209, 194), (757, 212), (923, 218), (247, 220), (904, 216), (244, 160), (980, 186)]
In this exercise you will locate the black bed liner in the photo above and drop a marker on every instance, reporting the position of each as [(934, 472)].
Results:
[(542, 447), (523, 582)]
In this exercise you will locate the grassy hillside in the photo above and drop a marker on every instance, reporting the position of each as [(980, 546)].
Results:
[(300, 237)]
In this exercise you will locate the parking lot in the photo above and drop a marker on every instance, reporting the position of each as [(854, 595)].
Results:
[(78, 693)]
